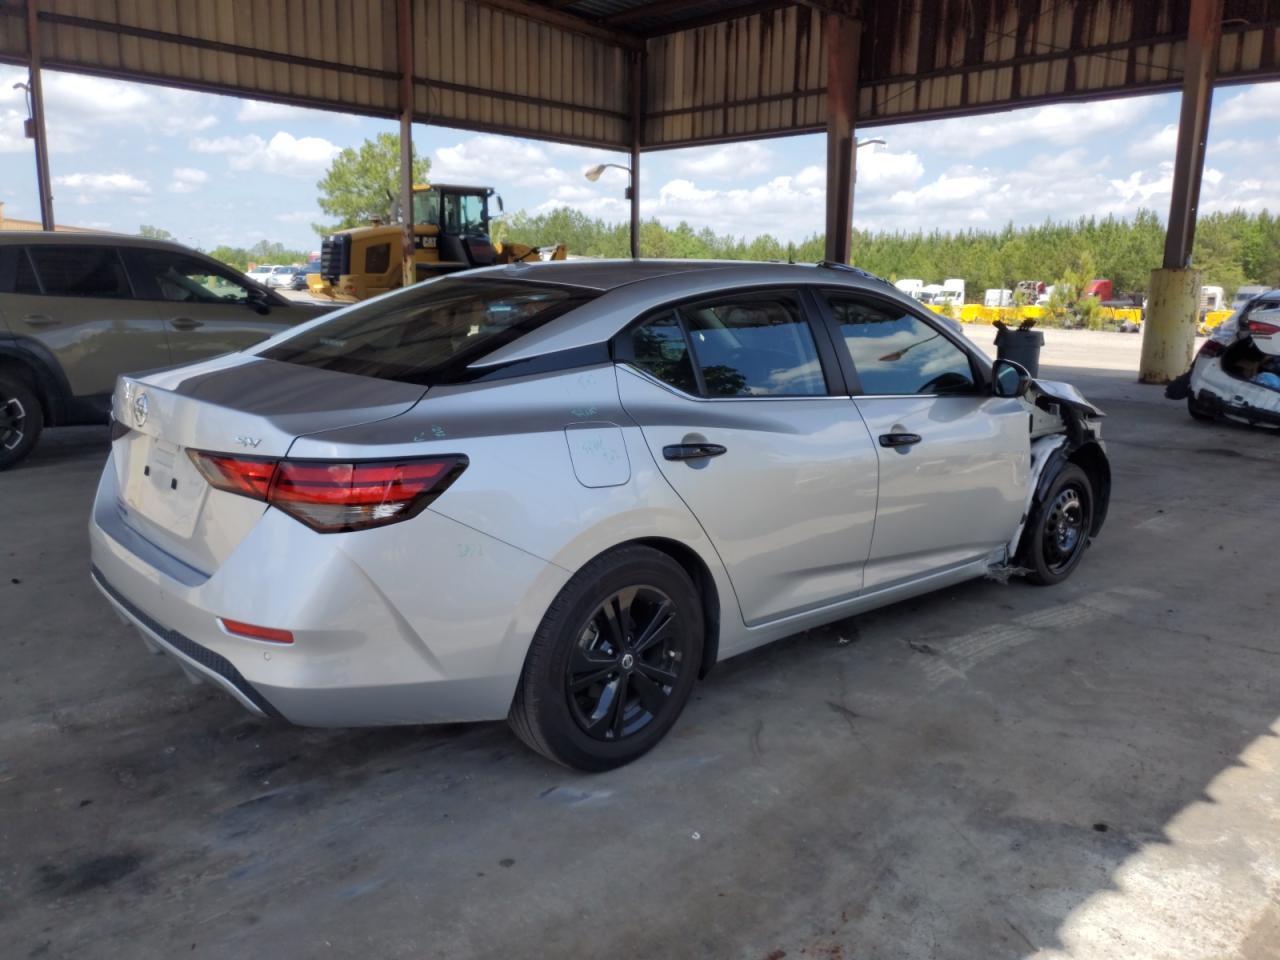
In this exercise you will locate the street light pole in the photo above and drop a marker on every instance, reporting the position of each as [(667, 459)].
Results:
[(594, 174), (35, 126)]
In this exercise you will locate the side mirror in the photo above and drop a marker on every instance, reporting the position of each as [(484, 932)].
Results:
[(258, 300), (1009, 379)]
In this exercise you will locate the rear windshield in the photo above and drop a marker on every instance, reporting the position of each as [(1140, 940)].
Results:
[(429, 333)]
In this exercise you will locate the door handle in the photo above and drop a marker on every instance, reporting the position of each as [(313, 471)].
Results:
[(185, 323), (38, 320), (692, 451), (899, 439)]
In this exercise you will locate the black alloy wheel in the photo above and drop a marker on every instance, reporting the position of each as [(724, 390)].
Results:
[(622, 671), (613, 662), (13, 420), (21, 419)]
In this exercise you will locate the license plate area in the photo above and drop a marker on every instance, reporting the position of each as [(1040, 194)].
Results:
[(163, 486)]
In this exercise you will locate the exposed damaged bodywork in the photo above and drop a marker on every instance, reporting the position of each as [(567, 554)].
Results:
[(1065, 429)]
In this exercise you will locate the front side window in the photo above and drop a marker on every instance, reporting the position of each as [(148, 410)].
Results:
[(897, 353), (84, 271), (464, 214), (184, 279), (430, 332)]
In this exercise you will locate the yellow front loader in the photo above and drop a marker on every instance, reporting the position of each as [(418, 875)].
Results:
[(450, 231)]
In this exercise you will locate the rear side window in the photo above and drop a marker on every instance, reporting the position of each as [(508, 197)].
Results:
[(755, 347), (85, 271), (750, 345), (428, 333), (24, 278), (661, 350)]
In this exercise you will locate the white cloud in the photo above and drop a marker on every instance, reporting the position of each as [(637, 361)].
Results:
[(263, 111), (1261, 102), (299, 216), (493, 160), (125, 183), (187, 179), (282, 154), (1061, 124), (732, 161)]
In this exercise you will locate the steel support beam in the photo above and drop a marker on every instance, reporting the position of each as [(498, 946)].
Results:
[(1204, 31), (36, 93), (843, 37), (1173, 297), (637, 134), (566, 21), (404, 28)]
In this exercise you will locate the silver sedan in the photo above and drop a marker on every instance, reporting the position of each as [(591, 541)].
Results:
[(559, 493)]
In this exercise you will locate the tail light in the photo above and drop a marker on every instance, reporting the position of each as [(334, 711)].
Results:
[(334, 497), (1260, 328), (1211, 348)]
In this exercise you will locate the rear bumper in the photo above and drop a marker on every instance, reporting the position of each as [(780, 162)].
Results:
[(390, 625), (195, 658), (1218, 393)]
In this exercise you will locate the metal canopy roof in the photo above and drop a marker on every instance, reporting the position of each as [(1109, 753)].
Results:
[(710, 70)]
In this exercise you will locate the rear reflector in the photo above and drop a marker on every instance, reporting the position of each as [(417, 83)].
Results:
[(255, 632), (333, 497)]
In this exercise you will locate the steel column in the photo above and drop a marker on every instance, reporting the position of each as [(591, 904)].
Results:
[(36, 92), (637, 132), (404, 28), (843, 36), (1204, 31), (1173, 298)]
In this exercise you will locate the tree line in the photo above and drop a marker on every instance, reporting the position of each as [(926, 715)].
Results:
[(1232, 249)]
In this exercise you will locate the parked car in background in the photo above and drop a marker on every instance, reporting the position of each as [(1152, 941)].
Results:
[(78, 310), (1245, 294), (1236, 372), (262, 274), (282, 276), (560, 492)]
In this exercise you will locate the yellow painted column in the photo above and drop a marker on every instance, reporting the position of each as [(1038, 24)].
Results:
[(1169, 331)]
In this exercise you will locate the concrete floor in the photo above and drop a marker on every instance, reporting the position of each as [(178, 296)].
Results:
[(1089, 771)]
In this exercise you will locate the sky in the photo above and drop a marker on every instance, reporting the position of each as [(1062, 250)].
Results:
[(221, 170)]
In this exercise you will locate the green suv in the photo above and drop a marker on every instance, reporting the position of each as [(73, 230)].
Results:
[(79, 309)]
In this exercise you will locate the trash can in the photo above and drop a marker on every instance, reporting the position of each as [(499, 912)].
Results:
[(1020, 346)]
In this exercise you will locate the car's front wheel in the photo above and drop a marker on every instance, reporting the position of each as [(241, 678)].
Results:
[(613, 662), (21, 419), (1058, 532)]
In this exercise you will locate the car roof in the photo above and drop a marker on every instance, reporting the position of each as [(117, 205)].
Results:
[(30, 237), (628, 288), (605, 275)]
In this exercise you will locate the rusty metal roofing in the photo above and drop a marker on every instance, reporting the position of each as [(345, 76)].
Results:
[(710, 70)]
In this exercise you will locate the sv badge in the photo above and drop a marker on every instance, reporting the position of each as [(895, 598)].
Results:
[(248, 441)]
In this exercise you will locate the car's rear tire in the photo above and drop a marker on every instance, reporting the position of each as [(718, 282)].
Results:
[(1058, 532), (1197, 412), (566, 705), (21, 419)]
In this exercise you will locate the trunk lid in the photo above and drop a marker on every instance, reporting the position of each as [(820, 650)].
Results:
[(237, 405)]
